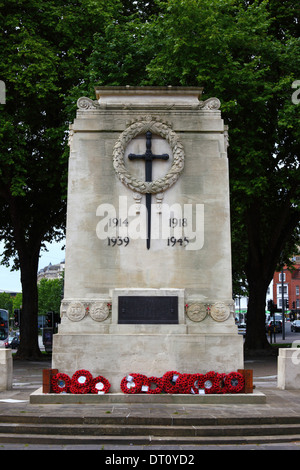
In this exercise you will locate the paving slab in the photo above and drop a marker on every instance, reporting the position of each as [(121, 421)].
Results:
[(27, 379)]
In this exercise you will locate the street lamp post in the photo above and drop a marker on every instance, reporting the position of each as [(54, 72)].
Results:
[(282, 306)]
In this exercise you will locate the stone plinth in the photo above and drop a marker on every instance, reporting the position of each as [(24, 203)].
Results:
[(288, 368), (145, 350), (6, 369), (40, 398)]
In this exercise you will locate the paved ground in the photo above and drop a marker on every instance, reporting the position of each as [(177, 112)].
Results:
[(28, 378)]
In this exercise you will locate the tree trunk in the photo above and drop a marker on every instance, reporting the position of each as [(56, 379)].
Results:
[(261, 264), (259, 274), (29, 348), (27, 246), (256, 339)]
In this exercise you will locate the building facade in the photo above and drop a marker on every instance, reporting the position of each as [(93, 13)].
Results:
[(288, 280), (52, 271)]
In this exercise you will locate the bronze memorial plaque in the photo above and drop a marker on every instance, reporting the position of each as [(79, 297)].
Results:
[(148, 309)]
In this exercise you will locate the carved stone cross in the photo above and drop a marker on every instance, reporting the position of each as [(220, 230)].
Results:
[(148, 157)]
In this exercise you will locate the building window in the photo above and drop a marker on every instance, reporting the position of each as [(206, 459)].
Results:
[(297, 290), (285, 289), (280, 275), (279, 302)]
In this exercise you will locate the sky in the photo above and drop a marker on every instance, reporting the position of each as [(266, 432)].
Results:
[(10, 280)]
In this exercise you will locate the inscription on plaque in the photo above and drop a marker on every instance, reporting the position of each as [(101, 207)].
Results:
[(148, 310)]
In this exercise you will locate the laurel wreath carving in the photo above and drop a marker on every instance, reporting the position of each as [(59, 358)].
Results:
[(162, 129)]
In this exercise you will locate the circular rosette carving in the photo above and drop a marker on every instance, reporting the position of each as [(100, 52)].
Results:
[(158, 128), (220, 311), (196, 312), (99, 311), (76, 311)]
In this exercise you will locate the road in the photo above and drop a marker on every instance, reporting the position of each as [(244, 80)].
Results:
[(290, 337)]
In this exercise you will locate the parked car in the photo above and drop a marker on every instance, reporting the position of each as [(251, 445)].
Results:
[(8, 341), (15, 343), (295, 325), (277, 324), (242, 329)]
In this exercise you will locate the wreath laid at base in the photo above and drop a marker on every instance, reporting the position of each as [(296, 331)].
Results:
[(100, 385), (82, 382), (133, 383), (60, 383), (172, 382)]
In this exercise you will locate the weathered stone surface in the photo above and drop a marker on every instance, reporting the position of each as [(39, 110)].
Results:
[(6, 369), (106, 252)]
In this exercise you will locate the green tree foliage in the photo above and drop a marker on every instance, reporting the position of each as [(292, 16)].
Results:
[(17, 301), (125, 47), (44, 47), (6, 301), (50, 294), (247, 54)]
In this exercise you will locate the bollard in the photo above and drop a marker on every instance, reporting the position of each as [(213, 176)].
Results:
[(6, 369)]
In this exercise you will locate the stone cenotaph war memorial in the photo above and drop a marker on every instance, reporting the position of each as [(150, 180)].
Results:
[(148, 252)]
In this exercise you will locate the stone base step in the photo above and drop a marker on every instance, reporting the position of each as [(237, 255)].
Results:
[(40, 398), (148, 441), (146, 431)]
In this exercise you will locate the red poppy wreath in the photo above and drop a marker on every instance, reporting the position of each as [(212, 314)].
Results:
[(196, 383), (132, 383), (170, 381), (183, 383), (100, 385), (211, 382), (234, 382), (158, 382), (222, 388), (60, 383), (81, 381)]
